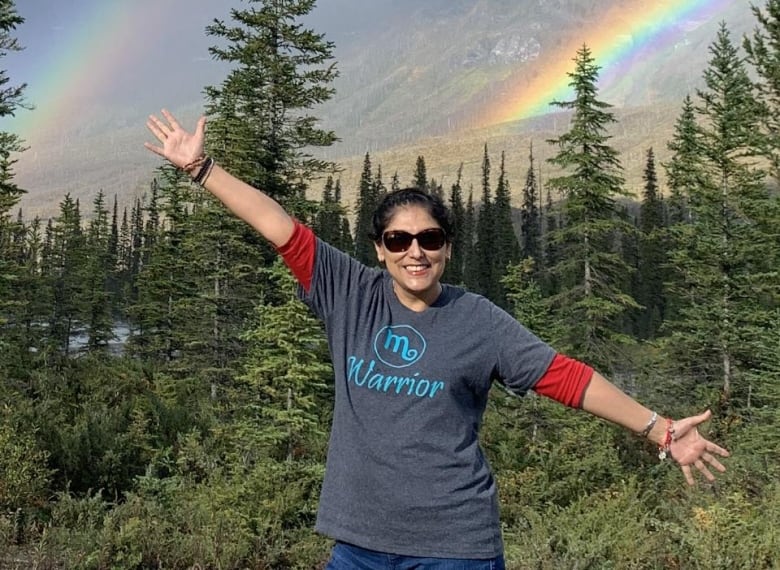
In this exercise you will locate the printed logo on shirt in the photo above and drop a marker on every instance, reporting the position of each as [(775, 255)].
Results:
[(399, 346)]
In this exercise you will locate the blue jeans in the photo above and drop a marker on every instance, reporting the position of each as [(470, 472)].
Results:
[(349, 557)]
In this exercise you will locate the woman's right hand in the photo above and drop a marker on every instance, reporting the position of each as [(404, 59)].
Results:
[(179, 147)]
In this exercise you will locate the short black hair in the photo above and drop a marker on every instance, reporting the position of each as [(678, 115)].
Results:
[(410, 197)]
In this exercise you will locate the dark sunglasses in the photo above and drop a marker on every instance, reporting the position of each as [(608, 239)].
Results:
[(431, 239)]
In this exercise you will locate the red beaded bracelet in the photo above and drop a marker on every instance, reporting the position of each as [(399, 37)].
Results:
[(665, 445)]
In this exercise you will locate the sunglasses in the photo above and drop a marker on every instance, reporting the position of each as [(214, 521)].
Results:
[(397, 241)]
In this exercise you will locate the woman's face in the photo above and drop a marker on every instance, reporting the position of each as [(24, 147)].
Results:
[(416, 272)]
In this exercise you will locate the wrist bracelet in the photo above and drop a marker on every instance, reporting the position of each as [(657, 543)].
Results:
[(664, 447), (204, 171), (650, 425)]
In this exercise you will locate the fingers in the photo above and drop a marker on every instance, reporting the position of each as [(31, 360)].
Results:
[(201, 125), (714, 462), (171, 119), (155, 149), (717, 449), (686, 469), (157, 128)]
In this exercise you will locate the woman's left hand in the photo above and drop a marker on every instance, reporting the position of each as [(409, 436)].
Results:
[(689, 448)]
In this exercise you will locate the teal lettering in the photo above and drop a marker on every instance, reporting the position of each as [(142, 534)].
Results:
[(420, 384), (435, 387)]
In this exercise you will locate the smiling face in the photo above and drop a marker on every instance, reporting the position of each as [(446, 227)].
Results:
[(416, 272)]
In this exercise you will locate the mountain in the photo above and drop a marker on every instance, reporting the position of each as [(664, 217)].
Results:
[(418, 78)]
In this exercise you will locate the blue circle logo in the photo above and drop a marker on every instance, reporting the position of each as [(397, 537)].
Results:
[(399, 346)]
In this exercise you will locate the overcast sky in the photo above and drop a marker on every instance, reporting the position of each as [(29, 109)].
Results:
[(156, 54)]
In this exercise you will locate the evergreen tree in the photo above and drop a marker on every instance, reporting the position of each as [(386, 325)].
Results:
[(763, 53), (327, 222), (591, 302), (485, 245), (454, 270), (67, 266), (261, 130), (283, 387), (652, 254), (507, 247), (471, 265), (420, 179), (166, 283), (683, 171), (551, 246), (366, 204), (11, 99), (530, 217), (97, 299), (726, 256)]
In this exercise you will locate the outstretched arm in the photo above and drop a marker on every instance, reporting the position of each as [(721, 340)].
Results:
[(183, 148), (687, 446)]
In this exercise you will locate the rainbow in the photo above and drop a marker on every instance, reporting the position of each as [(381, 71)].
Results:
[(78, 69), (622, 35)]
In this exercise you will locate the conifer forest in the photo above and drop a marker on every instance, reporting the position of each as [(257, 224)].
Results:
[(165, 399)]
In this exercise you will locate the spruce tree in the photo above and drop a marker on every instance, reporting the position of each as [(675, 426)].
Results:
[(726, 256), (67, 266), (683, 171), (283, 389), (366, 204), (591, 302), (11, 100), (261, 130), (420, 179), (530, 217), (763, 53), (454, 270), (485, 235), (507, 246), (97, 270), (652, 254), (470, 265)]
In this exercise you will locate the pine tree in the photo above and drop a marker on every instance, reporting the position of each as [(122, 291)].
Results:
[(591, 302), (683, 171), (471, 265), (551, 247), (763, 53), (420, 179), (530, 217), (485, 244), (98, 319), (366, 204), (652, 254), (260, 122), (283, 387), (261, 130), (454, 270), (67, 265), (11, 99), (725, 255), (507, 247)]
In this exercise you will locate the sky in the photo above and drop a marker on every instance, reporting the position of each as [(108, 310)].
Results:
[(83, 55)]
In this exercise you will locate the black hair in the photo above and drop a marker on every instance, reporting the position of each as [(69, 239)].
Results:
[(410, 197)]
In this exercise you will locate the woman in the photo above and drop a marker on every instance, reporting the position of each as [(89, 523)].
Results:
[(406, 484)]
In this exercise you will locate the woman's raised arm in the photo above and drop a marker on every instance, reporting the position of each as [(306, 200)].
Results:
[(185, 150)]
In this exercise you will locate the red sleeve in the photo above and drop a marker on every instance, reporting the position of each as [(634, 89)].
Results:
[(565, 381), (298, 254)]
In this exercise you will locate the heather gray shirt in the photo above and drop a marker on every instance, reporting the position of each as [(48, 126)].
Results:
[(405, 473)]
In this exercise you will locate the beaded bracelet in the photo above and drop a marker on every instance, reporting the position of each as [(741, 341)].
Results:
[(198, 162), (664, 448)]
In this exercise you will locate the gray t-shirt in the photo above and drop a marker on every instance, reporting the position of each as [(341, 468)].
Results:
[(405, 473)]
